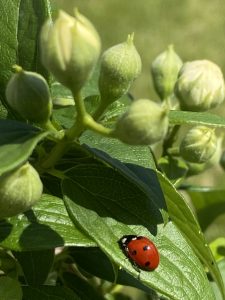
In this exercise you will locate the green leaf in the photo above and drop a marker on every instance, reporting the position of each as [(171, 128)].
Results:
[(81, 287), (48, 293), (221, 266), (112, 185), (210, 208), (17, 141), (35, 265), (196, 118), (9, 14), (10, 289), (140, 155), (218, 248), (32, 15), (46, 226), (184, 219), (106, 207), (174, 168)]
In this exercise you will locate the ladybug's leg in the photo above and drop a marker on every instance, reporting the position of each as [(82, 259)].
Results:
[(136, 268)]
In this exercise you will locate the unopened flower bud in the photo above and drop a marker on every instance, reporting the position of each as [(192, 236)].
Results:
[(200, 86), (195, 168), (165, 69), (28, 94), (70, 48), (20, 189), (144, 123), (199, 144), (120, 66)]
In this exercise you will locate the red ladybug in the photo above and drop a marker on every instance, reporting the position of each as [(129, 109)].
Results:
[(141, 251)]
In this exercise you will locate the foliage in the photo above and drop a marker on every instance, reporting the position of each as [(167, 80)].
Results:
[(97, 189)]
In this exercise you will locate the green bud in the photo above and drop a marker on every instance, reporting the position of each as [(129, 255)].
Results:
[(28, 94), (200, 86), (70, 48), (199, 144), (144, 123), (195, 168), (120, 66), (19, 190), (165, 69)]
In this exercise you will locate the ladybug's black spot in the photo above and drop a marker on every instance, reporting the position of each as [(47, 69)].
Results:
[(147, 264), (145, 248), (134, 252)]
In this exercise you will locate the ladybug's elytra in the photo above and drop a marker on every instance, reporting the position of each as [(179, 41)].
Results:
[(141, 251)]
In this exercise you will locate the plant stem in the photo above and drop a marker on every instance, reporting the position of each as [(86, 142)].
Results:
[(100, 110), (170, 139), (83, 121)]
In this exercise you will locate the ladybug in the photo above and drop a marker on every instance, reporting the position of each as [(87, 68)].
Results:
[(141, 251)]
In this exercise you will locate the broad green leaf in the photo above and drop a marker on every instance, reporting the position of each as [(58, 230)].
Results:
[(106, 208), (140, 155), (184, 219), (46, 226), (221, 266), (41, 262), (17, 142), (48, 293), (113, 184), (32, 15), (195, 118), (10, 289), (9, 14), (81, 287), (210, 208)]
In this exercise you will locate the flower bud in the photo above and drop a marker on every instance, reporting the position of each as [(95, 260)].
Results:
[(165, 69), (200, 86), (144, 123), (120, 66), (19, 190), (28, 94), (70, 48), (199, 144), (195, 168)]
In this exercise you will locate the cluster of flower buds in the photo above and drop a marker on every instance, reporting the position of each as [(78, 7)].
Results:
[(20, 189)]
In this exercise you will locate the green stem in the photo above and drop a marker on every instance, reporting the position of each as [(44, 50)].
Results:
[(100, 109), (83, 121), (168, 143)]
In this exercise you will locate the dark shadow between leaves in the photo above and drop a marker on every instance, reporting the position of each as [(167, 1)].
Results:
[(5, 229), (38, 236), (94, 261)]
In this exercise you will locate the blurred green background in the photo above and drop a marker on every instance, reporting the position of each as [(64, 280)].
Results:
[(195, 27)]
